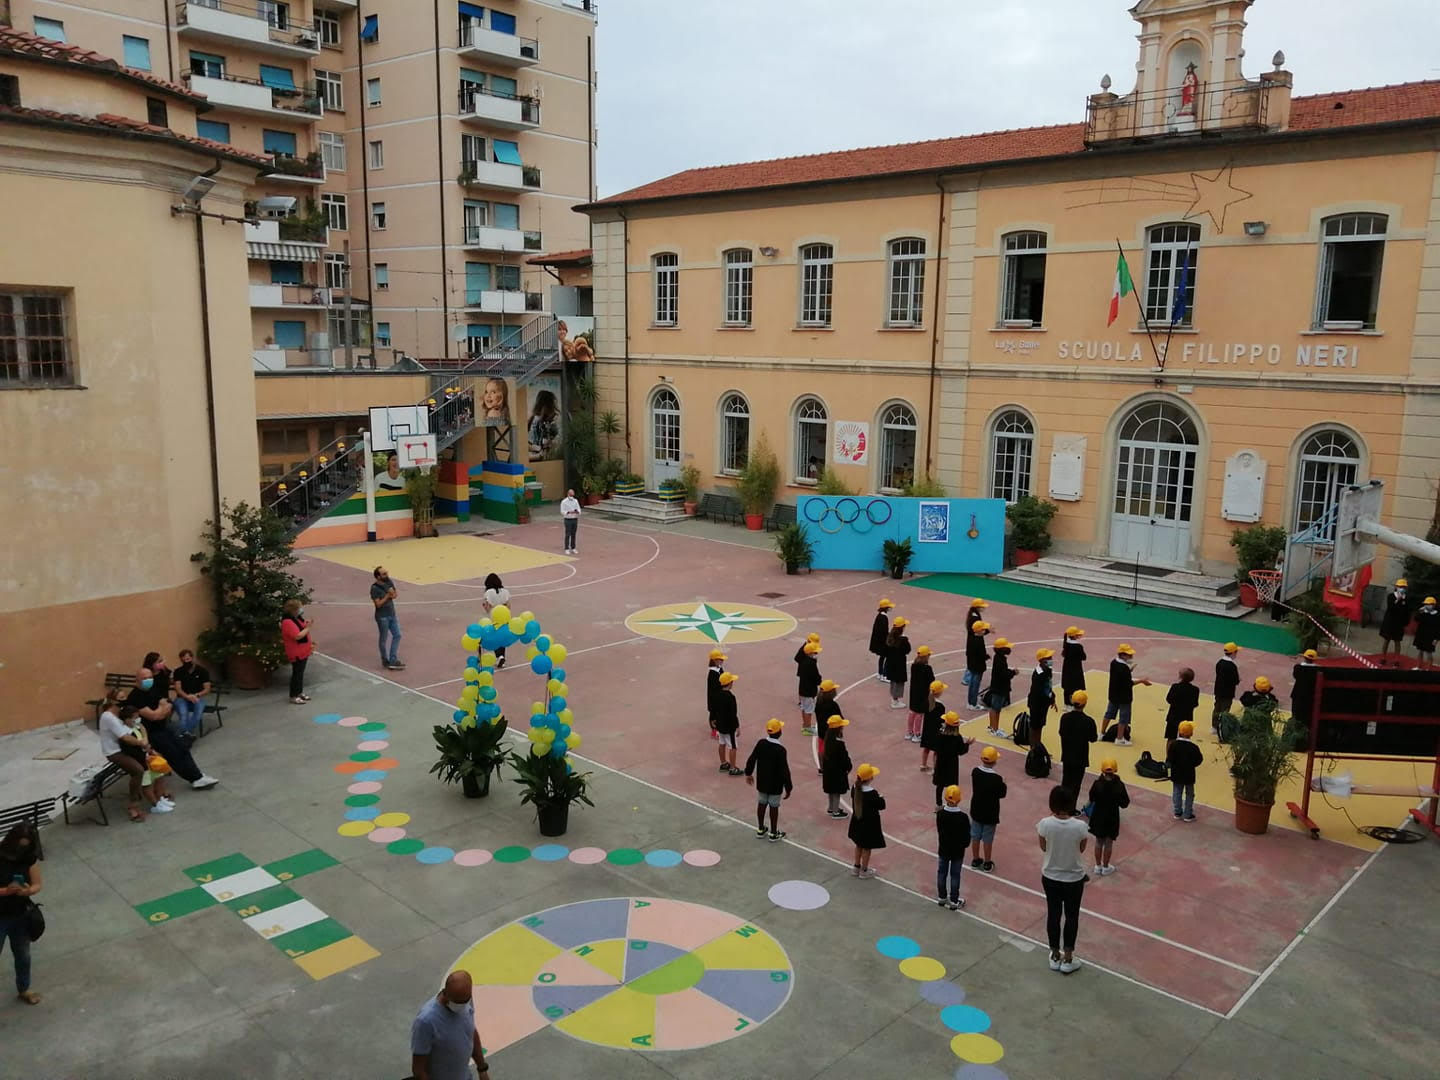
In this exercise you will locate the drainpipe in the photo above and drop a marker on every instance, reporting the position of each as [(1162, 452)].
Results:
[(590, 108), (625, 301), (365, 195), (169, 45), (209, 379), (440, 187), (930, 470)]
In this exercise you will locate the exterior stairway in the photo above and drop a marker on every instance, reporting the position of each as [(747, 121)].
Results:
[(645, 507), (1154, 586)]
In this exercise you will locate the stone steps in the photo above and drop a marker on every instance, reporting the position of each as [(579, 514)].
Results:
[(1179, 589), (641, 507)]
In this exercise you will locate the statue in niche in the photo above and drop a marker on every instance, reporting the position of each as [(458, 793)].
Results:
[(1189, 88)]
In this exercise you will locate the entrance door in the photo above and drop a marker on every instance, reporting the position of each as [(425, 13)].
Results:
[(665, 437), (1154, 486)]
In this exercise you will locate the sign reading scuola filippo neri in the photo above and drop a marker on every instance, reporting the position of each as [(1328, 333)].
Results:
[(1196, 353)]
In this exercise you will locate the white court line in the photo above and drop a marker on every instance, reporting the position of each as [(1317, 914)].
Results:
[(1007, 933), (533, 584)]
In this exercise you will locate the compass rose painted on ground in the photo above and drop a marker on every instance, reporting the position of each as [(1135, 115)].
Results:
[(711, 623)]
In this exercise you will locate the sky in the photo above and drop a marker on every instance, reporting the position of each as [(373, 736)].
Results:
[(688, 83)]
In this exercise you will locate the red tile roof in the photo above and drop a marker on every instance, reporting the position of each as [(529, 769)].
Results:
[(31, 47), (112, 124), (562, 258), (1349, 108)]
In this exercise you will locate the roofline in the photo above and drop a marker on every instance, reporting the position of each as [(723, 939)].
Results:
[(99, 128), (1001, 163), (119, 71)]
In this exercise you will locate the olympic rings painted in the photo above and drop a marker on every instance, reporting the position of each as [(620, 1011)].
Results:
[(849, 511), (842, 518), (824, 511)]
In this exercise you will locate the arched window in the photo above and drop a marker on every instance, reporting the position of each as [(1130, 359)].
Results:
[(666, 272), (665, 426), (739, 286), (1012, 455), (1329, 461), (897, 446), (1159, 422), (734, 433), (1352, 251), (1171, 256), (812, 437), (1023, 290), (907, 282), (817, 283)]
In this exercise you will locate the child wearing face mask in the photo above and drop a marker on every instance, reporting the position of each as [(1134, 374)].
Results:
[(1395, 619)]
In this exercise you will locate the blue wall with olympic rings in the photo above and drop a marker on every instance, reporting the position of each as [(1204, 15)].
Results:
[(848, 532)]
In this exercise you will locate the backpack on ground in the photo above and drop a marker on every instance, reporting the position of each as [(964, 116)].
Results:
[(1037, 762), (1151, 769), (1109, 734), (1020, 730)]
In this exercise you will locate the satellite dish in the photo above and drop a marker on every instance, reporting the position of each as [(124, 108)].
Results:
[(459, 332)]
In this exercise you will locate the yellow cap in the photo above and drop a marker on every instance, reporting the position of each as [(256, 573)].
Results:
[(1310, 654), (812, 637), (727, 677), (1231, 648), (953, 795), (1002, 643), (1429, 599), (923, 650), (812, 648), (989, 755), (1186, 728), (836, 722), (829, 684), (1044, 654), (1126, 650), (951, 718), (886, 603), (1262, 684), (718, 654), (773, 726), (867, 772), (980, 626), (1402, 582), (1109, 764), (1074, 631), (978, 603), (1080, 698), (938, 687), (900, 620)]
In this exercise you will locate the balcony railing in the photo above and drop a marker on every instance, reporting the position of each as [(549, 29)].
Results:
[(473, 36), (278, 27), (300, 231), (304, 98), (503, 108), (310, 167), (1202, 108)]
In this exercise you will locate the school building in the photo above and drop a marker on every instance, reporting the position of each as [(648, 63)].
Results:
[(949, 302)]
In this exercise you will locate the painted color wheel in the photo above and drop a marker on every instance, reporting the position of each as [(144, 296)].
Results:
[(636, 973)]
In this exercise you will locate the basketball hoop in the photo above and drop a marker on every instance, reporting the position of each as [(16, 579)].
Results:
[(1267, 584)]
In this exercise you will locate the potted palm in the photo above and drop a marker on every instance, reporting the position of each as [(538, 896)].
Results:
[(1259, 756), (690, 478), (550, 786), (793, 547), (1030, 517), (470, 752), (757, 483), (1256, 548), (897, 555)]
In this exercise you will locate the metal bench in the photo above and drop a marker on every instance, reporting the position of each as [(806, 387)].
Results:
[(720, 508), (37, 813), (114, 680), (94, 792), (781, 514), (118, 681)]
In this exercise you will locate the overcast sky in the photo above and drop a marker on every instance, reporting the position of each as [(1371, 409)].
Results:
[(686, 83)]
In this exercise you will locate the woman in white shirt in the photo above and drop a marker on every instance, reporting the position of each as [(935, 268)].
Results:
[(495, 595), (1063, 837), (123, 747)]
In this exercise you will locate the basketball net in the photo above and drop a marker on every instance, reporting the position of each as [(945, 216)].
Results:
[(1267, 588)]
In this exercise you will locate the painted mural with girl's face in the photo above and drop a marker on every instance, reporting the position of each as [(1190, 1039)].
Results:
[(543, 427), (495, 400)]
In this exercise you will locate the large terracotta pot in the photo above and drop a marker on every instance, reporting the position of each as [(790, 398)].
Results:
[(247, 673), (1025, 558), (754, 522), (1248, 596), (1252, 817), (690, 509)]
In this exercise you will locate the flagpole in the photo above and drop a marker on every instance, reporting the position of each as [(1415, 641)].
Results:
[(1184, 283), (1144, 320)]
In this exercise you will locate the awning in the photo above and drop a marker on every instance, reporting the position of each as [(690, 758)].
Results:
[(284, 252)]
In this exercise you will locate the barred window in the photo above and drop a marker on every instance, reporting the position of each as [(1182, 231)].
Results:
[(817, 283), (812, 437), (34, 344), (1012, 443), (897, 447)]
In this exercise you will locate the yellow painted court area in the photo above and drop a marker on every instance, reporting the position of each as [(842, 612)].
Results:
[(440, 559), (1212, 786), (337, 957)]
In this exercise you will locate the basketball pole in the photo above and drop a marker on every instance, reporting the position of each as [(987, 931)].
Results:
[(1372, 530), (368, 473)]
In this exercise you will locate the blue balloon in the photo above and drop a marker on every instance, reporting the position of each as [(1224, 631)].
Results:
[(552, 722), (543, 641), (458, 715), (530, 632), (487, 693), (537, 720), (557, 704), (564, 731), (490, 710), (557, 748), (558, 673), (541, 665), (474, 630)]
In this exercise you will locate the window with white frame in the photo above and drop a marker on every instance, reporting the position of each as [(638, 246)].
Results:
[(1352, 249), (1329, 462), (377, 215), (472, 149), (372, 91), (382, 276), (337, 213), (817, 283), (666, 272), (332, 90), (334, 270), (1171, 255), (327, 29), (739, 286), (812, 437), (897, 446), (377, 153), (1022, 296), (332, 151), (1012, 455), (34, 341), (734, 434), (382, 334), (907, 282)]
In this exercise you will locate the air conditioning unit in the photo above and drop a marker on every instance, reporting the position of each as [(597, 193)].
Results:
[(1017, 324)]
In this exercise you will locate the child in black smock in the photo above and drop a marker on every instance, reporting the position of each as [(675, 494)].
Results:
[(921, 676), (835, 766), (866, 831), (712, 685), (897, 648), (1108, 797), (950, 747), (1183, 698), (952, 829), (879, 630), (1072, 663), (930, 726), (976, 662)]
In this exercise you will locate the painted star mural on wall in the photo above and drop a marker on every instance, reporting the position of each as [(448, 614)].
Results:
[(1204, 195)]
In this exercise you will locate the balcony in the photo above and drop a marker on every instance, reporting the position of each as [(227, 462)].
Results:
[(286, 240), (498, 174), (490, 238), (482, 43), (294, 170), (1203, 109), (260, 25), (274, 358), (501, 302), (498, 110), (289, 296), (240, 94)]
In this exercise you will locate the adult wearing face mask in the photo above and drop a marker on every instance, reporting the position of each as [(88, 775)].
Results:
[(295, 633), (156, 711), (382, 595), (443, 1038), (192, 684)]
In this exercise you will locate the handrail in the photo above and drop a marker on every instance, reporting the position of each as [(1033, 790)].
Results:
[(309, 93), (250, 11), (467, 39)]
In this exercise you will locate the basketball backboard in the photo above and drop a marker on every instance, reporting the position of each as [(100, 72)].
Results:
[(389, 422), (416, 451), (1351, 550)]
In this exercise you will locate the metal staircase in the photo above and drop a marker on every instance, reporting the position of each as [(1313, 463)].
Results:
[(306, 493)]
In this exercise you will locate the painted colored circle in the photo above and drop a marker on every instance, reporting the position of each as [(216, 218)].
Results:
[(355, 828), (625, 856), (351, 721), (965, 1019), (550, 852), (472, 857), (362, 813), (387, 835), (384, 763), (711, 622), (390, 820), (942, 993), (587, 856), (702, 857), (407, 846), (369, 774), (662, 857), (898, 948), (365, 755), (981, 1049), (362, 800), (350, 768), (799, 895), (364, 787), (373, 745), (922, 968), (512, 854), (433, 856), (682, 973), (373, 725), (980, 1072), (328, 718)]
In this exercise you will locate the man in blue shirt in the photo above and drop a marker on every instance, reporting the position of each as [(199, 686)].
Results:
[(443, 1038)]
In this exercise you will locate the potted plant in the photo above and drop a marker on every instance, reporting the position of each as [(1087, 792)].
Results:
[(1259, 755), (420, 485), (672, 491), (690, 478), (897, 555), (831, 484), (1030, 517), (590, 488), (1256, 548), (793, 547), (1311, 616), (550, 786), (247, 564), (925, 487), (469, 752), (629, 484), (757, 483)]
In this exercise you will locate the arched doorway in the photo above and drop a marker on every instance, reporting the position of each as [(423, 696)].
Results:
[(1154, 485), (664, 436)]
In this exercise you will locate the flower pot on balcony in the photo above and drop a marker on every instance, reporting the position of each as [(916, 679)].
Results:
[(629, 487)]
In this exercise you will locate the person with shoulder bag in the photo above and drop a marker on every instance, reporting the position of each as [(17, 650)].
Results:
[(21, 921)]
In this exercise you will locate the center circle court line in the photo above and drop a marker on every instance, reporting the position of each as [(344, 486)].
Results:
[(568, 566), (525, 667)]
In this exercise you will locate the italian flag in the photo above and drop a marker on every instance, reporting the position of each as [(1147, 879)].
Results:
[(1123, 287)]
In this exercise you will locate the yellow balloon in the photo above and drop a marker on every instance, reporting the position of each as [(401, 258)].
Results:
[(485, 678), (539, 749), (531, 651), (573, 742), (553, 686), (536, 708), (562, 690), (470, 693), (557, 653), (468, 643), (547, 735), (527, 615), (485, 623), (487, 659), (461, 702), (471, 674), (517, 626), (566, 715), (534, 734), (499, 615)]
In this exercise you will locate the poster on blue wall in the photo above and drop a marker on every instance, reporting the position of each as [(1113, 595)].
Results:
[(848, 532), (934, 523)]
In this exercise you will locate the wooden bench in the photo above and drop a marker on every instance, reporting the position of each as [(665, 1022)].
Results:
[(37, 813), (94, 792), (720, 508), (781, 514)]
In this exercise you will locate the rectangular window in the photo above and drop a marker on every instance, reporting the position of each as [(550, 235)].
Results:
[(337, 214), (332, 151), (1023, 296), (207, 64), (335, 271), (156, 113), (377, 215), (1351, 254), (372, 91), (907, 282), (477, 281), (476, 217), (332, 91), (507, 278), (370, 29), (506, 152), (213, 129), (739, 286), (503, 87), (817, 283), (507, 215), (667, 288), (382, 276), (377, 154), (34, 345), (278, 142), (382, 334), (472, 149), (289, 333), (10, 91), (286, 273), (501, 22), (1171, 259), (53, 29), (275, 12), (277, 77), (327, 28), (136, 52), (478, 337)]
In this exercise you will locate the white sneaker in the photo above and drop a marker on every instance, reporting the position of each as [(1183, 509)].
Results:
[(1070, 965), (204, 782), (1122, 742), (1054, 963), (161, 808), (166, 800), (897, 704)]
